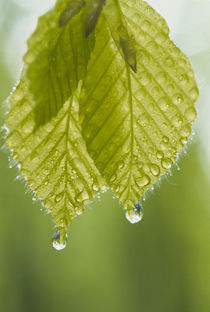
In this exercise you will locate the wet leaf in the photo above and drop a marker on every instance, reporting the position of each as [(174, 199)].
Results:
[(56, 60), (106, 99), (134, 124), (53, 160)]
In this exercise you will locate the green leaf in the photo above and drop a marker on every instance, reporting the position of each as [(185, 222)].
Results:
[(134, 124), (111, 108), (73, 7), (53, 160), (57, 58), (93, 12)]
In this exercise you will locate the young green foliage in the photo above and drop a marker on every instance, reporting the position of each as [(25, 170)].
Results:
[(135, 123), (54, 160), (56, 59), (105, 97)]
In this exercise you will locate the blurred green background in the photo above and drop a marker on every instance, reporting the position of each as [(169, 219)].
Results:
[(161, 264)]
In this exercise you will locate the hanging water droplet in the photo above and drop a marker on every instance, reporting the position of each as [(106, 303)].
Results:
[(59, 239), (136, 214)]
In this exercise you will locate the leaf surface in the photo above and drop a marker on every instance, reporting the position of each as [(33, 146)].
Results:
[(53, 160), (134, 124), (57, 58)]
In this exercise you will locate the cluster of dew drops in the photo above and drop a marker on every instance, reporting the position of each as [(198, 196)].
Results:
[(133, 216)]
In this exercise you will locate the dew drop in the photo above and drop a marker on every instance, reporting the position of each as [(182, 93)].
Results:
[(95, 187), (177, 121), (194, 93), (178, 98), (163, 103), (185, 131), (59, 239), (143, 181), (159, 154), (79, 210), (29, 58), (135, 214), (155, 170), (59, 197), (166, 163), (190, 114), (82, 197)]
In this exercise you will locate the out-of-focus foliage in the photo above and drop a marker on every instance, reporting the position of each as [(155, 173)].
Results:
[(159, 265)]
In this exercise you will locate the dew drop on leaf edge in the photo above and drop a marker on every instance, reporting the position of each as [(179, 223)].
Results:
[(135, 214), (59, 241)]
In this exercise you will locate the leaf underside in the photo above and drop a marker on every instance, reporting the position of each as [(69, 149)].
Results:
[(109, 109)]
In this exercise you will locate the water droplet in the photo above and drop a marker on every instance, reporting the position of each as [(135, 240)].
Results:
[(95, 187), (58, 197), (142, 181), (59, 239), (185, 131), (183, 79), (163, 103), (178, 99), (159, 154), (79, 210), (82, 197), (194, 93), (177, 121), (29, 58), (136, 214), (165, 139), (155, 170), (166, 163), (190, 114)]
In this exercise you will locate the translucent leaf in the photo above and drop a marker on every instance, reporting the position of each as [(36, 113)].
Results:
[(93, 12), (134, 124), (57, 58), (53, 160), (72, 8)]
